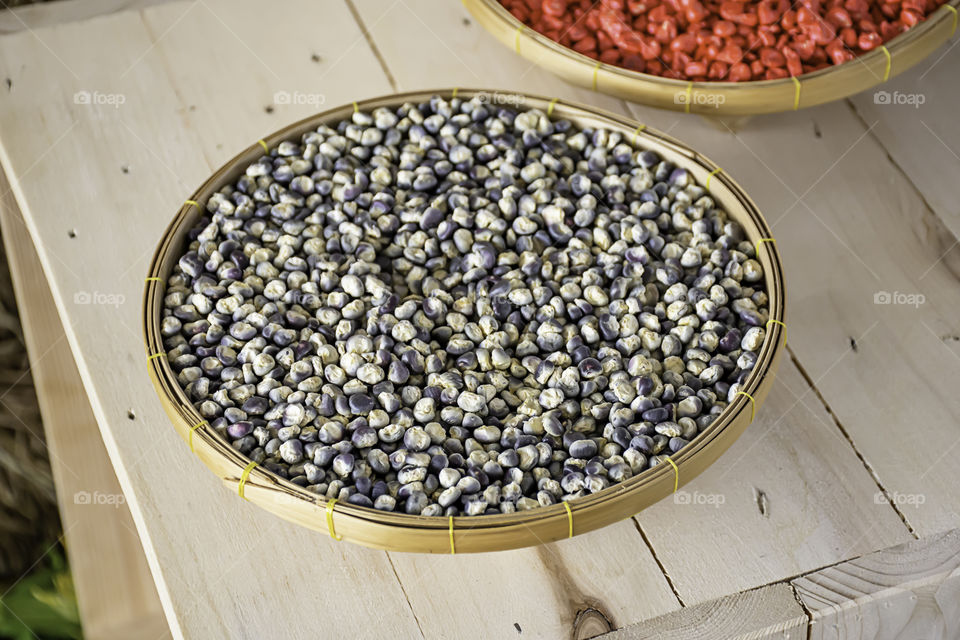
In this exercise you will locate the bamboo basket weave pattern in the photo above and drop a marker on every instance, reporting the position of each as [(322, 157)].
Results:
[(722, 98), (401, 532)]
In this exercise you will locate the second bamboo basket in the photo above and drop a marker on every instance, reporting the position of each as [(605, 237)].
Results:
[(721, 98)]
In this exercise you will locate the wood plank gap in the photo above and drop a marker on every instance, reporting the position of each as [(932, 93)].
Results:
[(373, 46), (871, 131), (796, 596), (405, 596), (663, 569), (866, 464)]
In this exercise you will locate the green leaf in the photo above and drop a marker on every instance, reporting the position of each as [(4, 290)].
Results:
[(43, 604)]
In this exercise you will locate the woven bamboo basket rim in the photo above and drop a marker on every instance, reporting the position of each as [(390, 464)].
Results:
[(464, 534), (722, 98)]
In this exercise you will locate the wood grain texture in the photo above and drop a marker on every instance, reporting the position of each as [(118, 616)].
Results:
[(767, 613), (909, 591), (815, 522), (427, 45), (539, 590), (851, 227), (114, 588)]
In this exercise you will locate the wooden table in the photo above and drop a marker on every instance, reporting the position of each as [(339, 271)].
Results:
[(836, 514)]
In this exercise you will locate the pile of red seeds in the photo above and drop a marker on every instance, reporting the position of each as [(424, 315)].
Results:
[(726, 40)]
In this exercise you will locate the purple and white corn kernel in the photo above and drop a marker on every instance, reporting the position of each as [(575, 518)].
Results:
[(449, 309)]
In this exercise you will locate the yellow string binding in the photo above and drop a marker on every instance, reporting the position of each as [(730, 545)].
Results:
[(330, 528), (676, 474), (796, 95), (455, 91), (193, 202), (156, 355), (153, 279), (686, 104), (516, 39), (636, 132), (453, 548), (356, 108), (886, 72), (952, 10), (753, 404), (263, 144), (192, 429), (595, 69), (550, 106), (566, 506), (772, 321), (761, 241), (243, 478), (712, 173)]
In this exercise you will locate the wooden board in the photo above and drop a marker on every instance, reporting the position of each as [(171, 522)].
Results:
[(767, 613), (916, 122), (114, 588), (788, 497), (909, 591), (201, 81), (609, 570)]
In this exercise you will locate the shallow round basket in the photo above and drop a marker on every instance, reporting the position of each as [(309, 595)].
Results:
[(401, 532), (721, 98)]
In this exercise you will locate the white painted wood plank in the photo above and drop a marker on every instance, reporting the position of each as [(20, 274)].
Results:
[(433, 45), (109, 570), (537, 592), (815, 523), (767, 613), (916, 122), (788, 497), (224, 568), (909, 591), (850, 227)]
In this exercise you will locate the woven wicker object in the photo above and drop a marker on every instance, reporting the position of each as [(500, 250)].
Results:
[(401, 532), (721, 98)]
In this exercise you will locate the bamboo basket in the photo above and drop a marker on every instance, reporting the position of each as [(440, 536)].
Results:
[(721, 98), (401, 532)]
